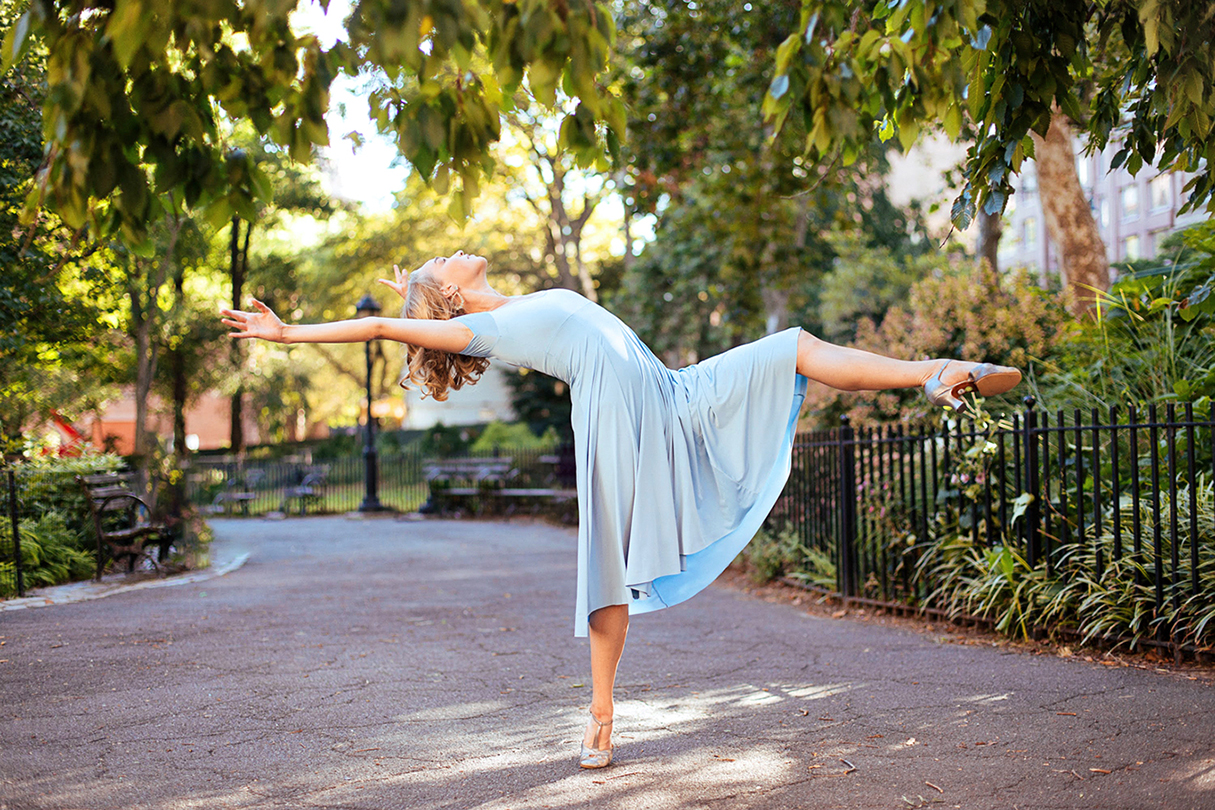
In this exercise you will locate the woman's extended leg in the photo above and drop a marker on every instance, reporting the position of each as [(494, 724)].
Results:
[(856, 370), (608, 628)]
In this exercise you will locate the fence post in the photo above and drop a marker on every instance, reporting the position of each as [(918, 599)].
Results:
[(847, 489), (1032, 511), (12, 513)]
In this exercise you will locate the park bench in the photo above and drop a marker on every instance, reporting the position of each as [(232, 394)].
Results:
[(464, 482), (491, 484), (237, 491), (551, 492), (123, 521), (310, 489)]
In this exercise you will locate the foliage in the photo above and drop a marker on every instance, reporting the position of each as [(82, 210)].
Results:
[(140, 93), (48, 484), (964, 311), (742, 239), (865, 281), (1087, 588), (1141, 72), (49, 303), (52, 552), (516, 435), (442, 441), (1153, 339), (772, 553)]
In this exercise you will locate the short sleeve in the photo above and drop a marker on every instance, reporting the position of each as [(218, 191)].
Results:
[(485, 333)]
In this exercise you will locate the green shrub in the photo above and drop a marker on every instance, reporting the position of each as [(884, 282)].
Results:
[(1087, 589), (1153, 339), (771, 554), (515, 435), (966, 312), (51, 553)]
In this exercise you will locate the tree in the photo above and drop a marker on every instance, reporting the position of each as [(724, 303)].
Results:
[(140, 91), (1137, 72), (556, 174), (54, 354), (741, 243)]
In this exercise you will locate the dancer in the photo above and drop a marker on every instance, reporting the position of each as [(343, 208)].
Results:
[(676, 470)]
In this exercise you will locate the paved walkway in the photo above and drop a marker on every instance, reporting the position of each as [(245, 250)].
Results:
[(384, 664)]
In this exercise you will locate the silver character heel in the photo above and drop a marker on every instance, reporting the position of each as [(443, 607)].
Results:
[(594, 757), (984, 379)]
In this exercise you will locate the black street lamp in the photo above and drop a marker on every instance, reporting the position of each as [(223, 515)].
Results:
[(367, 308)]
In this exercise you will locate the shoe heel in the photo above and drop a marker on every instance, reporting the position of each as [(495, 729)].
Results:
[(941, 395)]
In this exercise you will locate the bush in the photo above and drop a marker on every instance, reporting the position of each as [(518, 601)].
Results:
[(517, 435), (1088, 589), (51, 553), (1152, 341), (49, 484), (771, 554), (967, 312)]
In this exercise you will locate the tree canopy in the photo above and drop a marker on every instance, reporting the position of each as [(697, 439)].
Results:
[(1139, 73), (140, 93)]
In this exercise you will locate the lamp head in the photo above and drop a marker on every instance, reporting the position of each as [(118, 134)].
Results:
[(368, 307)]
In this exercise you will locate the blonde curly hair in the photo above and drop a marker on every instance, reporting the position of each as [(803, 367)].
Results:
[(431, 370)]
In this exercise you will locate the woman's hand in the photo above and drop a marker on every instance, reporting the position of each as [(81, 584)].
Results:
[(400, 285), (262, 324)]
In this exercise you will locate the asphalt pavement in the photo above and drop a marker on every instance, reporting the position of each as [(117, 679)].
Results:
[(386, 664)]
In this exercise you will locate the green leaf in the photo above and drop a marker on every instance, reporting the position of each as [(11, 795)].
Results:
[(787, 50), (16, 42), (953, 121)]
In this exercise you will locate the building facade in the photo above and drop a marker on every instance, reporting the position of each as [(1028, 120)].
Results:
[(1133, 213)]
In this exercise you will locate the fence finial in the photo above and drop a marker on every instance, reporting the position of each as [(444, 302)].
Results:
[(1030, 401)]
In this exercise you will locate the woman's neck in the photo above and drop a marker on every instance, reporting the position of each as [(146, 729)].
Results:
[(483, 300)]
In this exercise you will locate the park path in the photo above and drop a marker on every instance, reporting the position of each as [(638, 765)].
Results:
[(387, 664)]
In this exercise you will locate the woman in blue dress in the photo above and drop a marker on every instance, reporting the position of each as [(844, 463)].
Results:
[(676, 469)]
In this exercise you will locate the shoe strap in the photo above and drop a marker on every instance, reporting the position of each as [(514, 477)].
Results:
[(598, 722)]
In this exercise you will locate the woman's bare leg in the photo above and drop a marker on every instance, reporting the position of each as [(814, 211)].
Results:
[(608, 629), (856, 370)]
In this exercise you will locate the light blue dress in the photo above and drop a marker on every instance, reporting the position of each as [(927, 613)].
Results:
[(676, 470)]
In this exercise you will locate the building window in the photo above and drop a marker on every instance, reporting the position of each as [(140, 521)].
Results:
[(1130, 248), (1104, 208), (1160, 190), (1153, 242), (1084, 170), (1029, 231), (1130, 202)]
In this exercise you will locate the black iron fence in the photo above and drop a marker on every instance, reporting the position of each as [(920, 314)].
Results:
[(1118, 486), (12, 577)]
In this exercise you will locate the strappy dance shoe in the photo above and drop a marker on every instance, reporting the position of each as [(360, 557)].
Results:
[(985, 379), (594, 757)]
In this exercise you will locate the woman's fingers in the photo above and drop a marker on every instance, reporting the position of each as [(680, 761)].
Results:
[(260, 306)]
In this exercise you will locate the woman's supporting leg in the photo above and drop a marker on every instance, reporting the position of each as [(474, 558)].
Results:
[(608, 628), (856, 370)]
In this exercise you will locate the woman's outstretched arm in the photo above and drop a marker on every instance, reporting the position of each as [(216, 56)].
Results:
[(445, 336)]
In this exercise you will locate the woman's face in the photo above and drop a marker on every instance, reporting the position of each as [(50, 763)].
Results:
[(459, 270)]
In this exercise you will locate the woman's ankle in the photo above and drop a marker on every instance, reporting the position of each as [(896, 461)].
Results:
[(602, 714)]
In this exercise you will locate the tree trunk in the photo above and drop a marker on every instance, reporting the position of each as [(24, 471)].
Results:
[(144, 309), (1069, 220), (236, 440), (991, 227), (177, 367)]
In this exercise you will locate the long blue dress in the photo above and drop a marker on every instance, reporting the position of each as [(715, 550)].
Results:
[(676, 470)]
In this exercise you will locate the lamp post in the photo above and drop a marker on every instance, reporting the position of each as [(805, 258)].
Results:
[(369, 307)]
